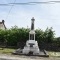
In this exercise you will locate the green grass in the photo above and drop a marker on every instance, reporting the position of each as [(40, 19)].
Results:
[(52, 53), (6, 50), (9, 51)]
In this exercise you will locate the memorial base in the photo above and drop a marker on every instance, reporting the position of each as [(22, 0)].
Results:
[(31, 49)]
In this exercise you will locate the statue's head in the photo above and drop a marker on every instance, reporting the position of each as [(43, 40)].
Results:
[(32, 19)]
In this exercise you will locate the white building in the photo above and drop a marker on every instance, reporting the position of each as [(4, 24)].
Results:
[(2, 25)]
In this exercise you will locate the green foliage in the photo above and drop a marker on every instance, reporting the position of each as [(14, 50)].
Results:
[(49, 35), (16, 35), (57, 41), (46, 36)]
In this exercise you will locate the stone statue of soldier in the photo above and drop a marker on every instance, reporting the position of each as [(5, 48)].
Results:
[(32, 23)]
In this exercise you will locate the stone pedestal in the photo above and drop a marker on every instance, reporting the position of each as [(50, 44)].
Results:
[(31, 47)]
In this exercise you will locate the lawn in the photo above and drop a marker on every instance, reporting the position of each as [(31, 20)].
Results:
[(6, 50), (9, 51), (52, 53)]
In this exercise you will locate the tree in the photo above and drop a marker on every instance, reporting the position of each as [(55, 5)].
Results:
[(49, 35)]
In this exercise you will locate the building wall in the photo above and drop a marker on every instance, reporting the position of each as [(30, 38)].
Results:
[(2, 26)]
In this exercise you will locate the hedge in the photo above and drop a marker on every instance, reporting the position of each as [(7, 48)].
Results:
[(18, 36)]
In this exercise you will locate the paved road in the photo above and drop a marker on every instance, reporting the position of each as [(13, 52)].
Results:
[(15, 57)]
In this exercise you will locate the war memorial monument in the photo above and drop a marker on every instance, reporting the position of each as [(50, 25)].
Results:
[(31, 47)]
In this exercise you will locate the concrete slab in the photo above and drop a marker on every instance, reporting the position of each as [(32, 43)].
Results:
[(20, 57), (43, 53)]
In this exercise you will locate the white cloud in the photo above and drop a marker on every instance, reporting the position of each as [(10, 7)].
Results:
[(46, 15)]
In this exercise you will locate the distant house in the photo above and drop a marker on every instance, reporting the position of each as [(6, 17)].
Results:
[(2, 25)]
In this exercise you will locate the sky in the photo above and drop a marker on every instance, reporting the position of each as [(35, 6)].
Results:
[(46, 15)]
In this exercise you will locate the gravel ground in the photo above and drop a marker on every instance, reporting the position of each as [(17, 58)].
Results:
[(17, 57)]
